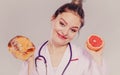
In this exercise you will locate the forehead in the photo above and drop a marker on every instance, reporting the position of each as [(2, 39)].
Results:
[(70, 18)]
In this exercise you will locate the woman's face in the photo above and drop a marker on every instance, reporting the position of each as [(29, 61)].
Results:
[(64, 27)]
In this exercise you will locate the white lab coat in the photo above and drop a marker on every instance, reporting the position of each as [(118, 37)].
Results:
[(80, 64)]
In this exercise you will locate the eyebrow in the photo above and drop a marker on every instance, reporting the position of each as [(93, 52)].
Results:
[(67, 23), (64, 20), (75, 27)]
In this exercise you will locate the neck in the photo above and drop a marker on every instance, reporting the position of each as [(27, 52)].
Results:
[(53, 47)]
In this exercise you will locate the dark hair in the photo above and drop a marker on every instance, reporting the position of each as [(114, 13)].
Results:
[(71, 7)]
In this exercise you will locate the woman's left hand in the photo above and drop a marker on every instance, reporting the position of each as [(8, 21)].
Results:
[(97, 56)]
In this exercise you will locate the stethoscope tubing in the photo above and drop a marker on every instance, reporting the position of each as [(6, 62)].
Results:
[(45, 61), (69, 59), (39, 55)]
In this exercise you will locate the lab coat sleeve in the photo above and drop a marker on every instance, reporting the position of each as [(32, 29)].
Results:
[(93, 68), (96, 69), (24, 69)]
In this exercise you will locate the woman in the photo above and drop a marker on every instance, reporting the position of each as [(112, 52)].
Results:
[(58, 56)]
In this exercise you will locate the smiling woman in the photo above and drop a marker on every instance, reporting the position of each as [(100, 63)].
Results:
[(65, 26), (57, 56)]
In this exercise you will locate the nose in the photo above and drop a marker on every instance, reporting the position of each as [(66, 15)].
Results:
[(65, 31)]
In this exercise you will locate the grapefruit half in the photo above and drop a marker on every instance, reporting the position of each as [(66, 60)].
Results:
[(94, 42)]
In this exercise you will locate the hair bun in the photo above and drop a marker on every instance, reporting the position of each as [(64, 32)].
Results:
[(77, 2)]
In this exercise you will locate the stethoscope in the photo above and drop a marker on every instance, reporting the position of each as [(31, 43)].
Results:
[(45, 61)]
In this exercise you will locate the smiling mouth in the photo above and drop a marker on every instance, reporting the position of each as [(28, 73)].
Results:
[(62, 36)]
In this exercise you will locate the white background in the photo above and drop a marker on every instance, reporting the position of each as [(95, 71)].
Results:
[(32, 19)]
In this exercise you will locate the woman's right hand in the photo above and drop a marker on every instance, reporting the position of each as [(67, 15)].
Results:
[(30, 64)]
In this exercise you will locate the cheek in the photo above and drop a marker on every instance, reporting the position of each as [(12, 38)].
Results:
[(72, 36), (55, 29), (55, 25)]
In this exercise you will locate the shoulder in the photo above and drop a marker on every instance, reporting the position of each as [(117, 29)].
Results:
[(81, 53), (40, 46), (77, 49)]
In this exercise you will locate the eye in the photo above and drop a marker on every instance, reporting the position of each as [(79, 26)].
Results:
[(62, 24), (73, 30)]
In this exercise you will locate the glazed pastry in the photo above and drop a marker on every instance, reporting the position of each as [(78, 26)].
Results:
[(21, 47)]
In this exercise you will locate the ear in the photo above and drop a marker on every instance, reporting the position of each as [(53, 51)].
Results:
[(52, 18)]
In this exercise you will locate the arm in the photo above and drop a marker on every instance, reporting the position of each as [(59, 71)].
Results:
[(30, 64), (27, 67), (96, 56), (96, 63), (94, 45)]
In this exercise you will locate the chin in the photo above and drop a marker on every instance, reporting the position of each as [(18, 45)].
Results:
[(58, 40), (61, 42)]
